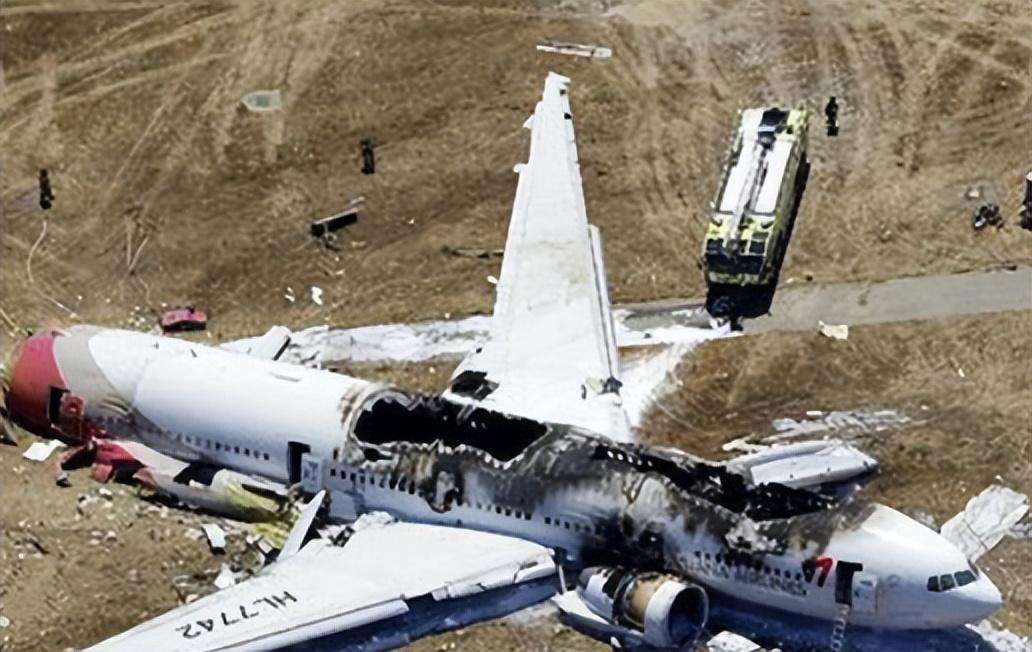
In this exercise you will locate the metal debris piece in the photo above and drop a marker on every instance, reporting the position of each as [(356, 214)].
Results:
[(575, 49), (730, 642), (216, 537), (858, 422), (261, 101), (834, 331), (987, 214), (40, 451), (474, 252), (326, 225), (226, 578), (986, 519), (317, 295), (5, 622)]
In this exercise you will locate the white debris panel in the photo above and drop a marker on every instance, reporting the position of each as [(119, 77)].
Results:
[(39, 451), (855, 422), (985, 520), (730, 642), (575, 49)]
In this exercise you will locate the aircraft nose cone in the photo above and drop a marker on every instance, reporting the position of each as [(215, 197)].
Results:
[(33, 373), (978, 600)]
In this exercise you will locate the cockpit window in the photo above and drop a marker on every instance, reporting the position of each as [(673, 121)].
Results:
[(964, 578), (951, 581)]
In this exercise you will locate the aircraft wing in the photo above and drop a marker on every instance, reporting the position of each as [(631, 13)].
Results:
[(551, 353), (388, 584)]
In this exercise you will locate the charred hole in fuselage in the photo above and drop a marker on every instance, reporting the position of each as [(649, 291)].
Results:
[(396, 417), (715, 484)]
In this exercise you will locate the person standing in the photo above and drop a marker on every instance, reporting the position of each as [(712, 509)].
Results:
[(46, 193), (831, 116)]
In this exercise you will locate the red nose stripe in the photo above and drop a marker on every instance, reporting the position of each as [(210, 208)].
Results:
[(34, 373)]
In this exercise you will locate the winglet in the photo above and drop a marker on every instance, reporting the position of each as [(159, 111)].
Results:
[(302, 525)]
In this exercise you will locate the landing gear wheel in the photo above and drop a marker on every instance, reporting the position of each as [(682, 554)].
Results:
[(723, 308)]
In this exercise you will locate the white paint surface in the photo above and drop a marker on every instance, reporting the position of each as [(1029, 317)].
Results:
[(39, 451)]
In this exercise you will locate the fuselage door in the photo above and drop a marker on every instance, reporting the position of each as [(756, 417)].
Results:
[(865, 593), (295, 450)]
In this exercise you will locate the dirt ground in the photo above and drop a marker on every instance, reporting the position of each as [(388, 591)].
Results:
[(169, 191)]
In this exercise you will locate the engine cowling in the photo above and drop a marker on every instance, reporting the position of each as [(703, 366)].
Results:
[(667, 612)]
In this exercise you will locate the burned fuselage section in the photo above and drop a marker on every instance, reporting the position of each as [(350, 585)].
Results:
[(595, 500)]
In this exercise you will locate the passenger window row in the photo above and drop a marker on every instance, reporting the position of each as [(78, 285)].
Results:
[(208, 444), (409, 486), (756, 566)]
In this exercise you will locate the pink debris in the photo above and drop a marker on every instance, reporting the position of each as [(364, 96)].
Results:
[(183, 319)]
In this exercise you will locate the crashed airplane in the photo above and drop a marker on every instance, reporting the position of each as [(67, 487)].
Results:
[(491, 496)]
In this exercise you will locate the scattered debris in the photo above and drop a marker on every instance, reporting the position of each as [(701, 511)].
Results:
[(1002, 640), (843, 423), (105, 493), (834, 331), (46, 193), (182, 318), (216, 537), (474, 252), (324, 226), (40, 451), (289, 295), (271, 345), (492, 279), (987, 214), (5, 622), (831, 116), (368, 156), (226, 578), (260, 101), (985, 520), (575, 49), (317, 295), (730, 642)]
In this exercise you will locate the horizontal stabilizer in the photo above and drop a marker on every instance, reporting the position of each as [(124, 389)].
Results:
[(805, 464)]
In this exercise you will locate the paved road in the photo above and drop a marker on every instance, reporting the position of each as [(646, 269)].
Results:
[(795, 308), (800, 307)]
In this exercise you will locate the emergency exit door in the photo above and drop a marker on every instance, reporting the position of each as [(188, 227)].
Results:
[(865, 593)]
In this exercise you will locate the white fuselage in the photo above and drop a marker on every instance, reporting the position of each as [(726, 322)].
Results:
[(283, 422)]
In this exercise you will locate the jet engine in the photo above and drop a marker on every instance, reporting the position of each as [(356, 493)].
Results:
[(665, 611)]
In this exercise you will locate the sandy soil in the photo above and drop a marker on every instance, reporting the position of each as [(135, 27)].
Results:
[(168, 191), (963, 382)]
